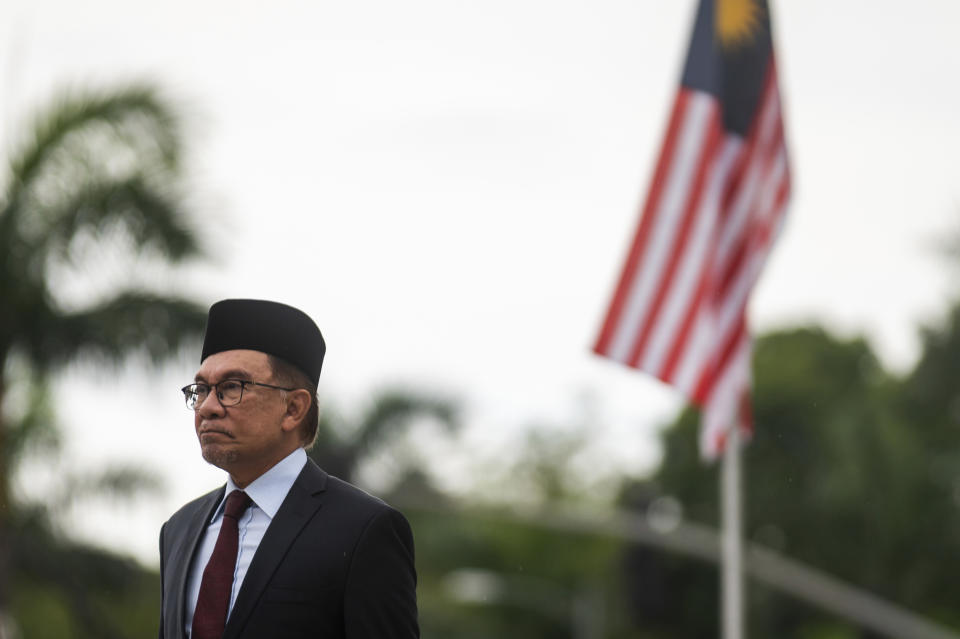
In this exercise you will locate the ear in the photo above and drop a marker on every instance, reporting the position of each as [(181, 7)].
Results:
[(298, 403)]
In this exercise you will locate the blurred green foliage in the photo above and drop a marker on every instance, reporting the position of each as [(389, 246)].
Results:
[(65, 589), (92, 207), (342, 444), (852, 470)]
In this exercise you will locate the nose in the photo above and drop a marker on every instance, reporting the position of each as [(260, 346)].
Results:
[(210, 406)]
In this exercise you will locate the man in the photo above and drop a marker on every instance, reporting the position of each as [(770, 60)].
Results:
[(283, 550)]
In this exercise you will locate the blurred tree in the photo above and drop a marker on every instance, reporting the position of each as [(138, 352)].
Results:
[(96, 174), (494, 571), (342, 444), (484, 572), (65, 588), (930, 400), (845, 472)]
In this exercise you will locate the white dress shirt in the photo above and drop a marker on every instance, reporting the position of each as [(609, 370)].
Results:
[(267, 492)]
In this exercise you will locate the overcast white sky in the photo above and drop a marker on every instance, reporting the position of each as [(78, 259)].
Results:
[(448, 188)]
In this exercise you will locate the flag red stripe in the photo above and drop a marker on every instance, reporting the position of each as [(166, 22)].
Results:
[(724, 406), (713, 372), (740, 170), (752, 242), (732, 267), (641, 238), (736, 294), (762, 152), (694, 202), (743, 193), (681, 340), (725, 158), (689, 351)]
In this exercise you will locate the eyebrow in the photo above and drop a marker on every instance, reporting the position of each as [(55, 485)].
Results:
[(236, 373)]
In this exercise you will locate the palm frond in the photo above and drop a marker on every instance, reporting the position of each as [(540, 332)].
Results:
[(32, 425), (86, 137), (139, 105), (75, 570), (396, 409), (151, 216), (341, 445), (115, 482), (152, 325)]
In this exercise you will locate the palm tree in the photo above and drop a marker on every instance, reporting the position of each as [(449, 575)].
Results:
[(96, 176), (342, 444)]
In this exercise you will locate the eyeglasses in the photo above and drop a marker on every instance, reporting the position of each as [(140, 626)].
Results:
[(229, 391)]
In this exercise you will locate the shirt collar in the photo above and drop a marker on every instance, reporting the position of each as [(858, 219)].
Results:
[(270, 489)]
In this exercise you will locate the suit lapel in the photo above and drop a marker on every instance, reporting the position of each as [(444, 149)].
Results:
[(298, 508), (196, 526)]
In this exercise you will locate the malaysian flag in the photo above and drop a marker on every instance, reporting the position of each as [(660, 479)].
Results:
[(716, 203)]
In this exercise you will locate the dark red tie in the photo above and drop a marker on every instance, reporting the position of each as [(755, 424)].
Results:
[(210, 616)]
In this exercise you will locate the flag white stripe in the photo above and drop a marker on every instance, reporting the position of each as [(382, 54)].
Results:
[(746, 193), (721, 407), (697, 351), (693, 262), (693, 132), (743, 282), (772, 185), (712, 327), (727, 320)]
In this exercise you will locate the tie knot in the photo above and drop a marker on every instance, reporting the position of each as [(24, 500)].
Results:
[(237, 503)]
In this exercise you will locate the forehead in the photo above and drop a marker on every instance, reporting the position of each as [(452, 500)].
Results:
[(235, 362)]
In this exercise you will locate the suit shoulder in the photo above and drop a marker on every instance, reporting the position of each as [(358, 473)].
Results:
[(369, 519), (356, 497), (351, 504)]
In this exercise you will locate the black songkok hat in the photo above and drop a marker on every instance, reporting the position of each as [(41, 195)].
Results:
[(268, 327)]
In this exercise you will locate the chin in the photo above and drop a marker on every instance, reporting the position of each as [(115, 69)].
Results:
[(220, 458)]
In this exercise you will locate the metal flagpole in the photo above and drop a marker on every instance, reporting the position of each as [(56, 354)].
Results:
[(732, 559)]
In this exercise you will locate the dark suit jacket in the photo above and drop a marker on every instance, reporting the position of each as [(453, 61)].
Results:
[(334, 563)]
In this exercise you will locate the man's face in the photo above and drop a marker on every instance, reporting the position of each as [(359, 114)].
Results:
[(246, 439)]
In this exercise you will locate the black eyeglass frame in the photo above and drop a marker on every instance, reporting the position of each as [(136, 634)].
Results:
[(190, 390)]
